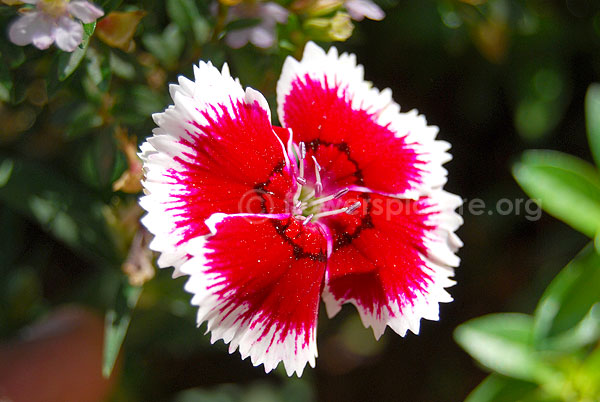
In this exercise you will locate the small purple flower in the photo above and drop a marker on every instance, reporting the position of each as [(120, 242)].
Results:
[(359, 9), (52, 21), (261, 35)]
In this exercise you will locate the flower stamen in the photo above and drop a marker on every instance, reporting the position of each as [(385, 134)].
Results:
[(318, 183), (329, 213), (321, 200), (352, 208), (301, 157)]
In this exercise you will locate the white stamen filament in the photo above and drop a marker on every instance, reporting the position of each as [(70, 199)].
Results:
[(335, 196), (318, 188), (308, 196), (301, 152), (301, 157), (329, 213), (318, 184), (303, 202), (317, 166)]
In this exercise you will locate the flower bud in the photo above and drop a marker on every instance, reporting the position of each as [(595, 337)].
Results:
[(318, 8), (338, 28)]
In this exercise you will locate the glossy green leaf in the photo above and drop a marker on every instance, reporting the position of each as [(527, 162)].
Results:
[(68, 62), (585, 332), (88, 30), (57, 204), (592, 115), (116, 325), (565, 187), (498, 388), (569, 299), (99, 73), (503, 343)]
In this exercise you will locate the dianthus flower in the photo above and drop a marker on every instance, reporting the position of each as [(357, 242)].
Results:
[(52, 21), (344, 203)]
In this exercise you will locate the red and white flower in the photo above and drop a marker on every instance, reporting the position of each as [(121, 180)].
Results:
[(344, 203)]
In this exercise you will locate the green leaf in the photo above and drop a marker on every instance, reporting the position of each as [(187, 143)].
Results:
[(68, 62), (542, 97), (12, 56), (503, 343), (116, 324), (121, 67), (564, 186), (110, 5), (166, 47), (587, 331), (88, 30), (241, 24), (138, 103), (83, 119), (6, 168), (202, 30), (589, 376), (101, 163), (498, 388), (592, 114), (98, 71), (5, 83), (569, 298), (182, 12), (62, 207)]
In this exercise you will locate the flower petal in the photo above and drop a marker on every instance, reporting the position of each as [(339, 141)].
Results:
[(32, 27), (85, 11), (392, 259), (68, 34), (214, 151), (327, 104), (238, 38), (262, 36), (358, 9), (274, 12), (257, 282)]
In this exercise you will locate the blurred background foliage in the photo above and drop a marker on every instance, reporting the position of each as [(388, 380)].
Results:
[(497, 76)]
